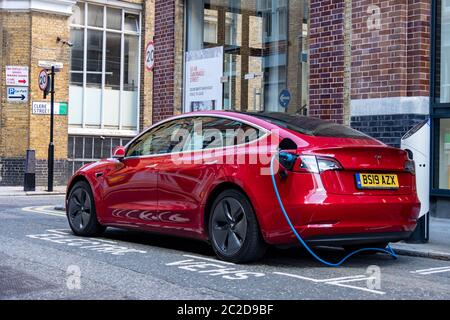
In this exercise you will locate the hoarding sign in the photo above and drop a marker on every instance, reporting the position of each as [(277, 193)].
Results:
[(203, 80)]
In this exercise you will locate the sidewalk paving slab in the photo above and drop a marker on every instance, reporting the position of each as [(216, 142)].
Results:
[(438, 247), (40, 191)]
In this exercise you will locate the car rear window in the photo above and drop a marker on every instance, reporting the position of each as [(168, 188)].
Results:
[(310, 126)]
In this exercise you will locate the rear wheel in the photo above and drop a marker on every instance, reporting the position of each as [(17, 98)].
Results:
[(233, 229), (353, 248), (81, 211)]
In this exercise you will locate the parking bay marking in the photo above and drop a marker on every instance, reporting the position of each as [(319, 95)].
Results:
[(425, 272), (64, 237), (47, 210), (341, 282), (215, 268)]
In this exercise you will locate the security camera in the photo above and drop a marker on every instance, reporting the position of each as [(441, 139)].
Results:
[(66, 42)]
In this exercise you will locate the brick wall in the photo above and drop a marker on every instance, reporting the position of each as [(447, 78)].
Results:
[(419, 15), (27, 38), (14, 116), (327, 65), (164, 72), (44, 30), (390, 66), (147, 76), (391, 60), (387, 128)]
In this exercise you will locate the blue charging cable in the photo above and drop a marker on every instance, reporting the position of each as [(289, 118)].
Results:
[(288, 156)]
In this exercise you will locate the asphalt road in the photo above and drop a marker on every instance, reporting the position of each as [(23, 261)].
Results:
[(41, 259)]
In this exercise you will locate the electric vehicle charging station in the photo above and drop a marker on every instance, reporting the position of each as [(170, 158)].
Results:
[(417, 143)]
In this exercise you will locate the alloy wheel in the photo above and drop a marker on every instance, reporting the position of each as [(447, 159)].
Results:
[(229, 226), (80, 209)]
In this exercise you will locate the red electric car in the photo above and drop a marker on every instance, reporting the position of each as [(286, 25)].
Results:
[(207, 176)]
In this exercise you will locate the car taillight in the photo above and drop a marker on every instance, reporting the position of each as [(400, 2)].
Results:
[(410, 166), (315, 164)]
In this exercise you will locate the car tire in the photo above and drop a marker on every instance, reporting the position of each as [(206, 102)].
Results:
[(81, 212), (353, 248), (234, 230)]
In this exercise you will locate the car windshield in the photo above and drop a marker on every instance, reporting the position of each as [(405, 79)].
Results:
[(310, 126)]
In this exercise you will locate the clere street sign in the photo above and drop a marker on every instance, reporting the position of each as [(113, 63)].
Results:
[(43, 108)]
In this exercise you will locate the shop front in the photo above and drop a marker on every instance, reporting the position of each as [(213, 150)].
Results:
[(246, 55), (440, 101)]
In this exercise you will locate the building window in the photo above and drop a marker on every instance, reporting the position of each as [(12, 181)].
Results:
[(445, 53), (441, 97), (104, 74), (444, 154), (265, 53)]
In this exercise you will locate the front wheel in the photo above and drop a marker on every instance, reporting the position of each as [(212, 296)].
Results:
[(233, 229), (81, 211)]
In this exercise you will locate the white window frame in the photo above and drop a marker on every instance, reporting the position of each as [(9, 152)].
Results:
[(125, 8)]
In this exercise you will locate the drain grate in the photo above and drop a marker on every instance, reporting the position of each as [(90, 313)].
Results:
[(13, 283)]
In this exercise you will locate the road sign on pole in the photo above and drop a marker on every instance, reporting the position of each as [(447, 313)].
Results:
[(51, 146), (43, 80)]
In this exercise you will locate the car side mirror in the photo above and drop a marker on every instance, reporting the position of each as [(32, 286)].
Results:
[(119, 153)]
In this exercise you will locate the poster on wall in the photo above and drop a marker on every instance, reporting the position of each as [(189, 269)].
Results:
[(203, 85)]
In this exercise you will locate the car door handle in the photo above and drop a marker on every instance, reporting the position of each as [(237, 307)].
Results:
[(152, 166), (211, 162)]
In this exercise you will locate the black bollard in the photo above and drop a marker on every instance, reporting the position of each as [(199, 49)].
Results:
[(29, 183)]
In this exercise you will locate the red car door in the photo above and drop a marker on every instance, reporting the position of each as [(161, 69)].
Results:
[(185, 178), (131, 197)]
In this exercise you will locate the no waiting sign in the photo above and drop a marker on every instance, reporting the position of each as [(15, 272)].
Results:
[(17, 76)]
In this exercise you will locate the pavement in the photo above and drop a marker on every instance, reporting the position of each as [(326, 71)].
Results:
[(40, 258), (438, 246), (40, 191)]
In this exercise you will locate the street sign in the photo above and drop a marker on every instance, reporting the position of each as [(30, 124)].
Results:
[(44, 108), (49, 64), (17, 94), (17, 76), (43, 80), (285, 98), (150, 56)]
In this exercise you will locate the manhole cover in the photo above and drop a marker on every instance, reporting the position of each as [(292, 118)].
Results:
[(14, 283)]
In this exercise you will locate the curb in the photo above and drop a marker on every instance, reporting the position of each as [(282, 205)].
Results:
[(436, 255), (31, 194), (45, 193)]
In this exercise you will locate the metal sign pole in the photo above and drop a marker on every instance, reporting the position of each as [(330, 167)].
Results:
[(51, 147)]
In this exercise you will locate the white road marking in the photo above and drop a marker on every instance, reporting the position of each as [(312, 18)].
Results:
[(47, 210), (214, 268), (341, 282), (317, 280), (65, 237), (425, 272), (208, 259)]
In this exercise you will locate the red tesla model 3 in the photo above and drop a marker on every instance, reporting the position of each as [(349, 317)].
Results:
[(207, 176)]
